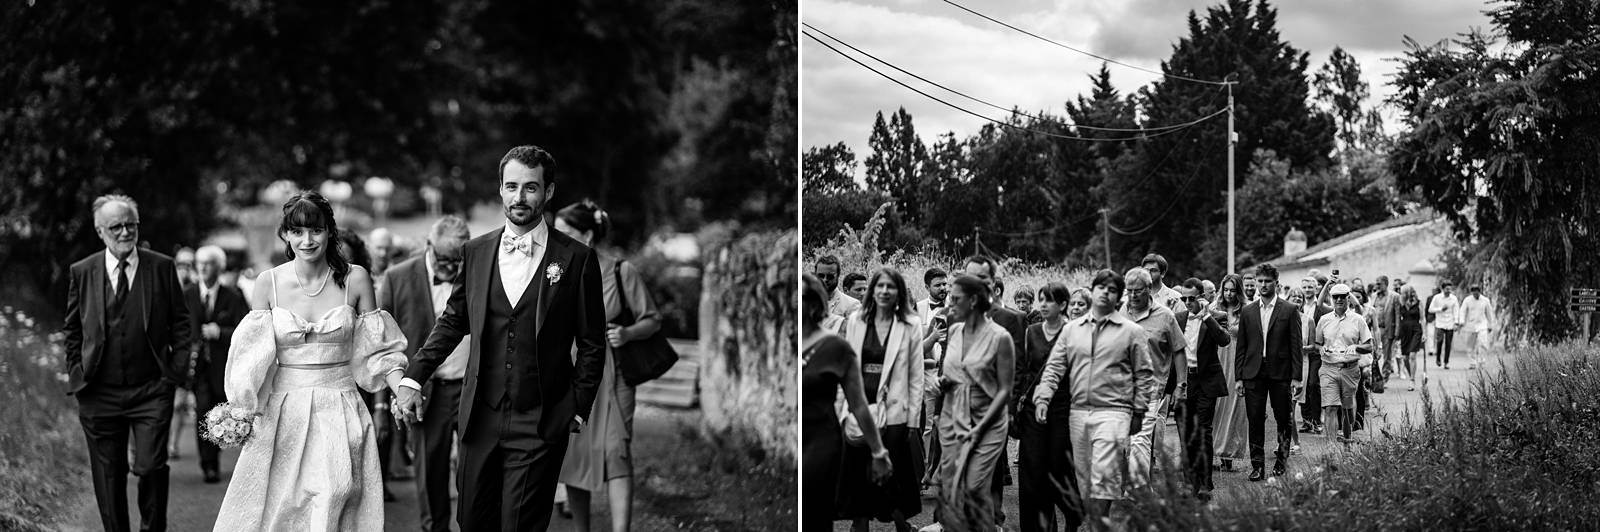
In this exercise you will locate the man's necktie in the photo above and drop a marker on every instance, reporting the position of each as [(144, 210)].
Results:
[(120, 293)]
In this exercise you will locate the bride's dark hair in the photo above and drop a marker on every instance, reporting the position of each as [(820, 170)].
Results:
[(309, 210)]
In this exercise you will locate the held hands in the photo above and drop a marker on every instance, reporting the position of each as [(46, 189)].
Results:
[(408, 405), (1136, 424), (1040, 411), (211, 331)]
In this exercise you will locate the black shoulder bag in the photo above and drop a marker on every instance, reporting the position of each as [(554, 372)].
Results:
[(643, 360)]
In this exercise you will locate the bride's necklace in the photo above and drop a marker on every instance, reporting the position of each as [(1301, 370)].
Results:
[(301, 285)]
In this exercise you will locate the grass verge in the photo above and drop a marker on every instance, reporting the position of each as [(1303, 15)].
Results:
[(41, 444), (1515, 452)]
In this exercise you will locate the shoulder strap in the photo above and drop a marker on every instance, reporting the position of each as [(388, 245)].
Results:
[(274, 283), (622, 290)]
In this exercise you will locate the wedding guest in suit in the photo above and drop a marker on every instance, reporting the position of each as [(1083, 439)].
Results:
[(887, 340), (601, 457), (528, 296), (827, 367), (1160, 293), (1198, 395), (1269, 368), (127, 340), (1046, 481), (415, 292), (219, 310), (839, 303)]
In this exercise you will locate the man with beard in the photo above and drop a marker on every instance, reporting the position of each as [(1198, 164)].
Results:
[(839, 303), (1269, 368), (530, 299)]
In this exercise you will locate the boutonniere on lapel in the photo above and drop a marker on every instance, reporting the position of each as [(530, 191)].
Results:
[(553, 273)]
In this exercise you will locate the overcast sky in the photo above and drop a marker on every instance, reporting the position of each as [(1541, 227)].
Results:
[(945, 44)]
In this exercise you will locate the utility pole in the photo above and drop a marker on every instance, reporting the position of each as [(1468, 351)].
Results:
[(975, 248), (1105, 230), (1231, 140)]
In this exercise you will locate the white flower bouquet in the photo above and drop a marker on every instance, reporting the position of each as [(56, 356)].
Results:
[(228, 426)]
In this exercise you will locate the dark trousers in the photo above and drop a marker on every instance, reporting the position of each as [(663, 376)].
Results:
[(1311, 410), (1046, 480), (1257, 392), (1194, 427), (508, 472), (108, 413), (206, 397), (430, 443), (997, 486), (1443, 341)]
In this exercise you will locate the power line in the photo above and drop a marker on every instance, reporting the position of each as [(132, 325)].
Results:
[(998, 122), (1176, 198), (1085, 52), (974, 98)]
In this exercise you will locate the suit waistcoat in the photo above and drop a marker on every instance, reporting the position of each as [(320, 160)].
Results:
[(127, 358), (508, 367)]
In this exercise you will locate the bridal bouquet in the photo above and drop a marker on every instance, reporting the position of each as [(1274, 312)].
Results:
[(228, 426)]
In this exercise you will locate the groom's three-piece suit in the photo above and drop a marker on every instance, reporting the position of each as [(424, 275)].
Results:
[(127, 347), (525, 302)]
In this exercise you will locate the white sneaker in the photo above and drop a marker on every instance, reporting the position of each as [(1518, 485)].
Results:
[(936, 527)]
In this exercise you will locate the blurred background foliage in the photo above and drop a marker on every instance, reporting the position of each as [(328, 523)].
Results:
[(671, 114)]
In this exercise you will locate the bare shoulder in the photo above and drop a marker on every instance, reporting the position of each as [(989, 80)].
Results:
[(358, 278)]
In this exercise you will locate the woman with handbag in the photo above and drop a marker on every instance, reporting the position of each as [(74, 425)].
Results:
[(599, 457), (828, 366), (887, 340)]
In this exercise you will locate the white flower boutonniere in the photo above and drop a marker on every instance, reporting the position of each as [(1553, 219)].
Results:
[(553, 273)]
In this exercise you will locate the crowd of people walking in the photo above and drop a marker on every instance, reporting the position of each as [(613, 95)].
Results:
[(1085, 378)]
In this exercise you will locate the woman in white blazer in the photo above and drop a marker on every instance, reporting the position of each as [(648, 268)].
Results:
[(887, 337)]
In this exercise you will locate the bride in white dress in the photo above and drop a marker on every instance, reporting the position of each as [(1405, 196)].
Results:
[(314, 335)]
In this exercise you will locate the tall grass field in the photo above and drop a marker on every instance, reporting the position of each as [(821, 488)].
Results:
[(41, 443)]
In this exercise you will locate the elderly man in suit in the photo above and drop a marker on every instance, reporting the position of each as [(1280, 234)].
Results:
[(127, 346), (1197, 396), (217, 309), (415, 292), (1268, 367)]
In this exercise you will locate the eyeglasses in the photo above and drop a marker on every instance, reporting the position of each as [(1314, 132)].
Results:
[(1188, 299), (1339, 297), (130, 227), (455, 261), (1136, 291)]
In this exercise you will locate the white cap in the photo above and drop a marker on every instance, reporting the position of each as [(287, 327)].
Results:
[(1339, 290)]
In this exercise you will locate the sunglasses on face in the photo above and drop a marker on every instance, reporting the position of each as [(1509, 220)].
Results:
[(1188, 299), (130, 227)]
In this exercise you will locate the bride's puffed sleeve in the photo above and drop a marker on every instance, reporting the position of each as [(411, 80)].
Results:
[(252, 359), (379, 349)]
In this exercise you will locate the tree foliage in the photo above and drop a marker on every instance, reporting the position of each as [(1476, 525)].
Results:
[(669, 114), (829, 169), (895, 166), (1504, 142)]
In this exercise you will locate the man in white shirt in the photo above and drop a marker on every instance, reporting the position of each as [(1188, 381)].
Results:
[(1446, 311), (1342, 337), (416, 292), (1475, 314)]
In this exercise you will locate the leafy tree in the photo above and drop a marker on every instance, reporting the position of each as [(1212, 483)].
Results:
[(1503, 141), (1238, 41), (1321, 203), (895, 166), (1342, 94), (828, 169)]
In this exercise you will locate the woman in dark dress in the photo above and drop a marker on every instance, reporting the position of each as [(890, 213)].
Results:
[(887, 340), (1409, 314), (827, 364), (1046, 480)]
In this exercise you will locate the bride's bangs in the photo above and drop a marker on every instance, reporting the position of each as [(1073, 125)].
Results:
[(305, 214)]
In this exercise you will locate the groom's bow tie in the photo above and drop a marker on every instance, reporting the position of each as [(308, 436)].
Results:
[(521, 244)]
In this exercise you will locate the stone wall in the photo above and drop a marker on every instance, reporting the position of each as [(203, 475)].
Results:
[(750, 360)]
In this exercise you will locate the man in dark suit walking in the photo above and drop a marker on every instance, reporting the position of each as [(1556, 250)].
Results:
[(1205, 384), (127, 346), (529, 294), (415, 292), (218, 309), (1268, 366)]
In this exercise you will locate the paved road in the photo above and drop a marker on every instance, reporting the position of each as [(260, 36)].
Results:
[(665, 498), (1387, 411)]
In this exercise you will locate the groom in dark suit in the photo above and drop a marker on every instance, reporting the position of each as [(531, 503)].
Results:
[(217, 309), (1268, 366), (127, 346), (528, 295)]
